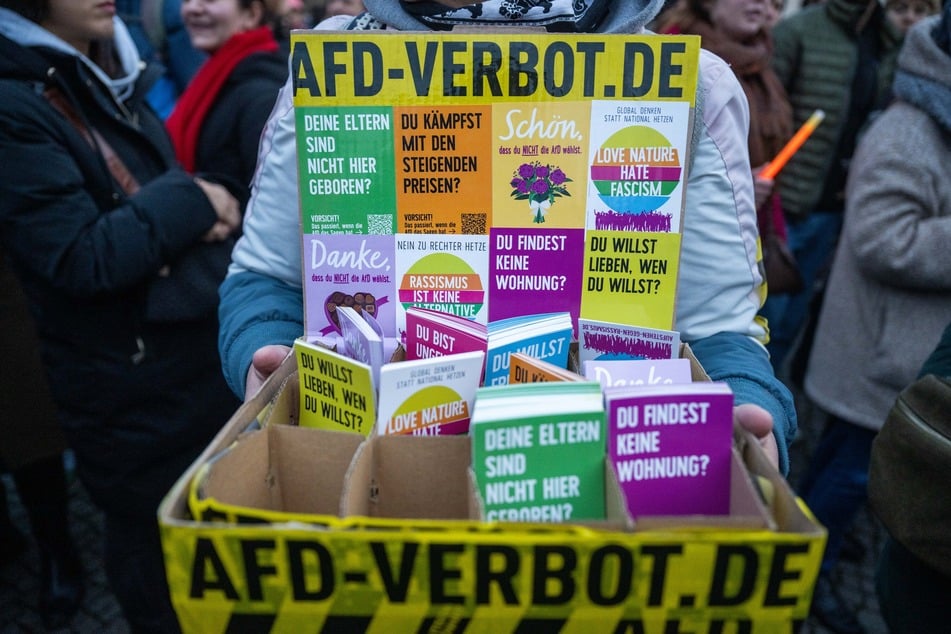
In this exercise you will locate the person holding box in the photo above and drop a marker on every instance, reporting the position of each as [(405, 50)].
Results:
[(261, 309)]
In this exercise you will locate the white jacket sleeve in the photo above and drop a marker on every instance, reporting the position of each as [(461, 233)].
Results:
[(721, 286), (271, 243)]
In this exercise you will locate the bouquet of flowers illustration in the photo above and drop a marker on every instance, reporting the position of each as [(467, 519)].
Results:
[(540, 185)]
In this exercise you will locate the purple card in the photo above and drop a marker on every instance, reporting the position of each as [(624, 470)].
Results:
[(348, 270), (670, 446), (533, 271)]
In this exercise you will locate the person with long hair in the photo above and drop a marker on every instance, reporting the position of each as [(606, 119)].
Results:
[(95, 223)]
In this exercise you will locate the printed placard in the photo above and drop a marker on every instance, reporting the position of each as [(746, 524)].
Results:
[(444, 273), (348, 270), (541, 163), (670, 447), (444, 160), (346, 170), (535, 271), (638, 165), (522, 136), (630, 278)]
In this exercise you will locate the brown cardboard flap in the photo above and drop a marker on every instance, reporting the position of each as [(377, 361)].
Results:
[(697, 373), (284, 468), (783, 504), (239, 476), (285, 408), (410, 477)]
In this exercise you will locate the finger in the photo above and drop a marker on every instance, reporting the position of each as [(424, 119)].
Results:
[(754, 419), (269, 358)]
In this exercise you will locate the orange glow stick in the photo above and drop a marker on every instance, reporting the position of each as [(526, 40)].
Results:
[(772, 168)]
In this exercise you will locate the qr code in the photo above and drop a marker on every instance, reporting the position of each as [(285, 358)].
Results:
[(473, 224), (380, 224)]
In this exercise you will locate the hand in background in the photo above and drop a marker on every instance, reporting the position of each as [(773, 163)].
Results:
[(225, 206), (759, 422), (762, 187), (263, 364)]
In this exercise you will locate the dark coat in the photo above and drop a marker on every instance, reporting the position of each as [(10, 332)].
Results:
[(228, 143), (29, 429), (138, 400), (815, 55)]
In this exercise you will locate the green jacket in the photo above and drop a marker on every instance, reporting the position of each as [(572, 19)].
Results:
[(815, 53), (940, 360)]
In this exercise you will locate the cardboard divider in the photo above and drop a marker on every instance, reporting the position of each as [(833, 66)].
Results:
[(288, 473), (409, 477), (278, 473)]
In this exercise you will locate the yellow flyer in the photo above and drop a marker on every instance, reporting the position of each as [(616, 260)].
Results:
[(336, 392), (630, 277)]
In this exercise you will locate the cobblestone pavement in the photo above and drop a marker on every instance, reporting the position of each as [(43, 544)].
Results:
[(100, 613), (855, 580), (19, 581)]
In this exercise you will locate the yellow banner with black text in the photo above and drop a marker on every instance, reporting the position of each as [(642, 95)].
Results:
[(282, 579)]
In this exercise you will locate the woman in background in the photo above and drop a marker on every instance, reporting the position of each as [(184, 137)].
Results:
[(96, 212), (739, 32), (217, 122)]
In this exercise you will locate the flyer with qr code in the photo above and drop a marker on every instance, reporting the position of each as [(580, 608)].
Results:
[(494, 158)]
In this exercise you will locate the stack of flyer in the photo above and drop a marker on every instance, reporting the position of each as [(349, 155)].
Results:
[(546, 337), (670, 446), (433, 333), (429, 397), (362, 339), (527, 369), (336, 392), (602, 341), (538, 451)]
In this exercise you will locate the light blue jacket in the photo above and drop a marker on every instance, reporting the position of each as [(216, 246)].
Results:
[(720, 288)]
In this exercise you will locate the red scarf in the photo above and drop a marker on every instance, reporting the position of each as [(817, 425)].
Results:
[(185, 122)]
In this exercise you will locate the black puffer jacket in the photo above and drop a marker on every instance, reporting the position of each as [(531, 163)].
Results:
[(231, 131), (138, 400)]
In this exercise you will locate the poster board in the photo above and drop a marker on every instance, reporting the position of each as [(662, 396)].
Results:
[(492, 174)]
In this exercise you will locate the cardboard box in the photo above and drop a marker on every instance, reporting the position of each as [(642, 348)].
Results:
[(377, 565), (278, 473)]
